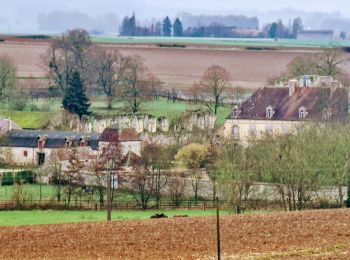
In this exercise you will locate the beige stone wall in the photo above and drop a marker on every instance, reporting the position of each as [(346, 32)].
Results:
[(244, 129), (131, 146), (16, 155)]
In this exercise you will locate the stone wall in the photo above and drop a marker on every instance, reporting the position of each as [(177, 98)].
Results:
[(147, 123)]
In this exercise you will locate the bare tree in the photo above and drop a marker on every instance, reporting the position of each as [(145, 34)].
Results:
[(214, 82), (8, 77), (136, 83), (329, 61), (109, 68), (156, 85), (96, 165), (196, 93), (67, 54), (176, 185), (73, 175), (158, 159), (142, 181), (55, 170), (111, 159)]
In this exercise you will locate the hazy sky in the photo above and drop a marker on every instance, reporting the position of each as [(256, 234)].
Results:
[(17, 14)]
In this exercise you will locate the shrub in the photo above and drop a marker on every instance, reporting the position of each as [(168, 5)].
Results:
[(25, 177), (7, 179)]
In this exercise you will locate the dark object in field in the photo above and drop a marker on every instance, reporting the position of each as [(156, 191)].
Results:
[(174, 45), (161, 215), (260, 49), (180, 216)]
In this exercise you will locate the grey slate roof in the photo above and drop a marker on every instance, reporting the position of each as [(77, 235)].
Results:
[(54, 139)]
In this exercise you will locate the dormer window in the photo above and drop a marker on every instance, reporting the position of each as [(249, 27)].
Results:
[(302, 112), (269, 112), (41, 142), (235, 111)]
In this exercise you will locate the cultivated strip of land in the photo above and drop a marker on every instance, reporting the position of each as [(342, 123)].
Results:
[(310, 234)]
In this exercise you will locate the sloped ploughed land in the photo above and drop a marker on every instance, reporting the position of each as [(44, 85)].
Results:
[(311, 234)]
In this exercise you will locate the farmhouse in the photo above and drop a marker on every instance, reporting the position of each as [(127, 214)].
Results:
[(322, 35), (33, 147), (282, 109)]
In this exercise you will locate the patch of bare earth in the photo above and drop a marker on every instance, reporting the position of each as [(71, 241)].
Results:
[(176, 67), (311, 234)]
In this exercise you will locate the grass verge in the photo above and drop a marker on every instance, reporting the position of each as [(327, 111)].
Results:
[(35, 217)]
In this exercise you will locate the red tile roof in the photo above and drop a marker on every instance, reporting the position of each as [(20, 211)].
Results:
[(124, 135), (315, 100)]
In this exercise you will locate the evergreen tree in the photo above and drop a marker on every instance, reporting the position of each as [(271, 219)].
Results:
[(297, 27), (167, 26), (129, 26), (178, 29), (75, 100)]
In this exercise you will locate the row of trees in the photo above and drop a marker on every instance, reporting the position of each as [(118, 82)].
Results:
[(164, 28), (74, 65), (299, 165), (279, 30)]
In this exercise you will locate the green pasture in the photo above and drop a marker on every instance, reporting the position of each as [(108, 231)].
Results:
[(239, 42), (35, 217), (49, 108)]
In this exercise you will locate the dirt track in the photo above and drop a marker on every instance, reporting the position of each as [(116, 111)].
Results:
[(311, 234)]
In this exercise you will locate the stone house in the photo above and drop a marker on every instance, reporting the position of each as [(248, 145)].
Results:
[(34, 147), (282, 109)]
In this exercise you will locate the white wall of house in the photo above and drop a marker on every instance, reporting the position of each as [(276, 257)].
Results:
[(244, 129)]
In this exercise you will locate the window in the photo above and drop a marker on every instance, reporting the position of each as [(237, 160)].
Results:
[(235, 132), (40, 144), (25, 153), (252, 130), (302, 112), (269, 112), (41, 158), (235, 111)]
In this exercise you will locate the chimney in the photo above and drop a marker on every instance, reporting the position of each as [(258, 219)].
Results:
[(292, 85)]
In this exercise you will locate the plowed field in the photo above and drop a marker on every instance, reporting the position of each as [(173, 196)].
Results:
[(310, 234), (176, 67)]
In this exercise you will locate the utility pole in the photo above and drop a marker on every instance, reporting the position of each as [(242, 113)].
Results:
[(109, 206), (218, 228)]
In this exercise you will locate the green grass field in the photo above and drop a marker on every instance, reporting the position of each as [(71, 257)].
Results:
[(18, 218), (157, 108), (28, 119), (32, 192), (293, 43)]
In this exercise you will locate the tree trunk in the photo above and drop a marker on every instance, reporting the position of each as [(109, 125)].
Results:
[(109, 102), (109, 206)]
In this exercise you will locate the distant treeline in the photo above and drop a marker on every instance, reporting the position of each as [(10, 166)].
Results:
[(219, 26)]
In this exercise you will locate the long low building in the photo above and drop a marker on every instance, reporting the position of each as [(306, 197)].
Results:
[(34, 147), (281, 109), (316, 35)]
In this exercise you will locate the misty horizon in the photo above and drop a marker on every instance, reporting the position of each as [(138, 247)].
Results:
[(19, 17)]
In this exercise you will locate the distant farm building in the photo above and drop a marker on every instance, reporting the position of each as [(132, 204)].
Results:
[(321, 35)]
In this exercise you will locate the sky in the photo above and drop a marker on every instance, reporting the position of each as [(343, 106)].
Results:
[(17, 15)]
